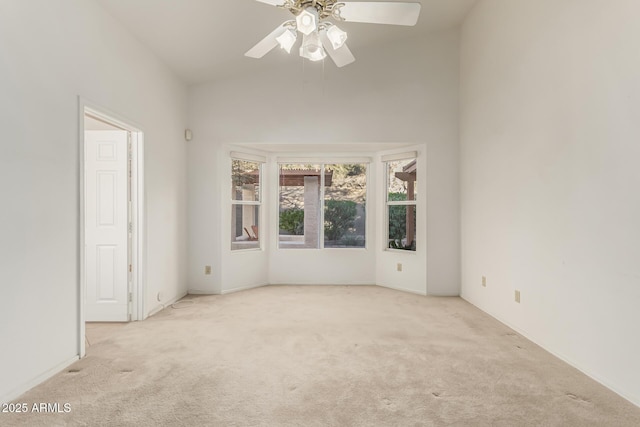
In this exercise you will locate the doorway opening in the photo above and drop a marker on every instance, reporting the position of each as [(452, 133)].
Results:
[(111, 221)]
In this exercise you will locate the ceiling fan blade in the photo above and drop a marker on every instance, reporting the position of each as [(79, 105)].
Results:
[(381, 12), (267, 44), (272, 2), (341, 56)]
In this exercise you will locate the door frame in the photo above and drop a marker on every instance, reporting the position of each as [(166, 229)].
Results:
[(137, 212)]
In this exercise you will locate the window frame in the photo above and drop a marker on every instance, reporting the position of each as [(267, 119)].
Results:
[(259, 202), (387, 203), (322, 163)]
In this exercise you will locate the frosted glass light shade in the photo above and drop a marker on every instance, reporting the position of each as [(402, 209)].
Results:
[(336, 36), (312, 47), (287, 40), (307, 21)]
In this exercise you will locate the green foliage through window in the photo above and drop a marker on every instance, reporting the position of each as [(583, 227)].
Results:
[(292, 221), (398, 223), (339, 217), (397, 217)]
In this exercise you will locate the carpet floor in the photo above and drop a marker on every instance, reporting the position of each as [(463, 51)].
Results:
[(322, 356)]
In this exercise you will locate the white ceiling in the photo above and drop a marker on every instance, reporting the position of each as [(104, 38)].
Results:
[(202, 40)]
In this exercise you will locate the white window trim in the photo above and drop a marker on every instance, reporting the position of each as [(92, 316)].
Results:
[(248, 157), (385, 160), (245, 157), (399, 156), (324, 160)]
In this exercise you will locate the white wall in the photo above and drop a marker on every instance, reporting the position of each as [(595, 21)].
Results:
[(47, 59), (337, 266), (550, 178), (404, 92), (206, 162), (210, 225)]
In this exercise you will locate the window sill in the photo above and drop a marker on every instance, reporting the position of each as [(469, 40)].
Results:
[(244, 250), (399, 251)]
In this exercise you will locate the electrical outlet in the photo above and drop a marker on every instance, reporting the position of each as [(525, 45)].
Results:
[(207, 269), (399, 266), (517, 297), (484, 281)]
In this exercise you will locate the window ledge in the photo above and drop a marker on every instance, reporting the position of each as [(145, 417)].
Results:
[(399, 251)]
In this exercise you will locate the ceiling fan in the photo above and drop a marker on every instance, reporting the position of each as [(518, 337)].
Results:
[(320, 36)]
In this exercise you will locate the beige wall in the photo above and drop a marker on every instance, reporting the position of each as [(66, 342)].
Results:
[(47, 60), (550, 95)]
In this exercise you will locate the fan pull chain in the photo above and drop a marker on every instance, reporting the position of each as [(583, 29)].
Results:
[(302, 79), (323, 80)]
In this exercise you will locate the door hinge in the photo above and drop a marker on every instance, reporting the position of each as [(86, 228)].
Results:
[(130, 268), (130, 297)]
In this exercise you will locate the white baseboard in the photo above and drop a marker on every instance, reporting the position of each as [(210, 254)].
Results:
[(299, 283), (443, 295), (199, 292), (397, 288), (19, 391), (244, 288), (162, 306)]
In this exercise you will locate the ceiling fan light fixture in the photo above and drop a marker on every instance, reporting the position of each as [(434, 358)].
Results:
[(287, 39), (336, 36), (321, 38), (307, 21), (312, 47)]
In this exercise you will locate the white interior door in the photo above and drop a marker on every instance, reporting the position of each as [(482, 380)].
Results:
[(106, 226)]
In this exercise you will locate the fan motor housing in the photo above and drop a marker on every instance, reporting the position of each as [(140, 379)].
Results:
[(326, 8)]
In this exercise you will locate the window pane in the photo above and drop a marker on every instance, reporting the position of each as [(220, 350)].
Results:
[(245, 177), (402, 180), (402, 227), (344, 205), (244, 227), (299, 206)]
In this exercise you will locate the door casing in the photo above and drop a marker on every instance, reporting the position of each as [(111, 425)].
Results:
[(138, 250)]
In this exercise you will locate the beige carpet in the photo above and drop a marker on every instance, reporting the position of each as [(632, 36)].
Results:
[(322, 356)]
